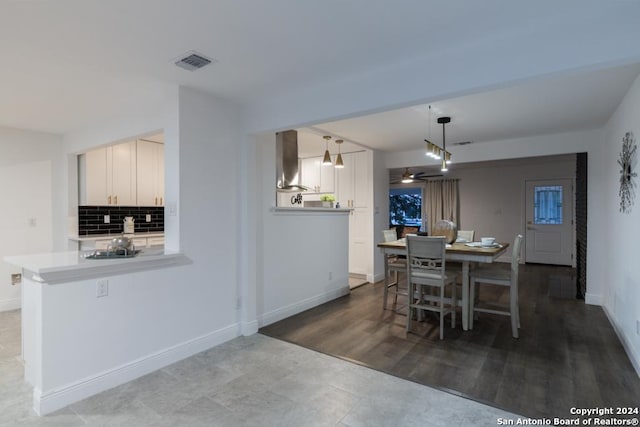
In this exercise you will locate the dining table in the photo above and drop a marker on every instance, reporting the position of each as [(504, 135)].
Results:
[(463, 252)]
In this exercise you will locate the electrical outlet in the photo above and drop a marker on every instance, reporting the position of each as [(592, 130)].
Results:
[(107, 219), (16, 279), (147, 218), (102, 288)]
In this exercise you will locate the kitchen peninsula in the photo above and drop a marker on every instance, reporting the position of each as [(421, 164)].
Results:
[(63, 292)]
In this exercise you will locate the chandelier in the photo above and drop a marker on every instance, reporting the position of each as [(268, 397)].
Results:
[(433, 150)]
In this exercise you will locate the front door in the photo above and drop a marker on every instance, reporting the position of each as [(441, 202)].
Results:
[(549, 222)]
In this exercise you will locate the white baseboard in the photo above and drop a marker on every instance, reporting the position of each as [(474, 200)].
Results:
[(633, 357), (300, 306), (249, 328), (10, 304), (593, 299), (52, 400), (371, 278)]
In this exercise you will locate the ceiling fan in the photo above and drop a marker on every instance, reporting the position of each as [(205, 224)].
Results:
[(408, 177)]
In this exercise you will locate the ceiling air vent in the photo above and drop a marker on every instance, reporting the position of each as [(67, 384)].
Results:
[(462, 143), (193, 61)]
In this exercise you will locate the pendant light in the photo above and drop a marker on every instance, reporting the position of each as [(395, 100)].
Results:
[(445, 154), (327, 157), (431, 147), (339, 163), (433, 150)]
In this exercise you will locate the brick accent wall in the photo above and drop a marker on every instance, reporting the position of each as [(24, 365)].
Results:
[(91, 219), (581, 224)]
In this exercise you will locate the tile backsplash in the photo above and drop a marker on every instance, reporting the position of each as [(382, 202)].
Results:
[(91, 219)]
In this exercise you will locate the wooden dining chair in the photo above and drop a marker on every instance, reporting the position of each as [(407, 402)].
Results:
[(500, 277), (396, 265), (426, 272)]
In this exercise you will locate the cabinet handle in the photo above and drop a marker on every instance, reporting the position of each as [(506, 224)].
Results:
[(155, 202), (109, 200), (160, 201), (116, 200)]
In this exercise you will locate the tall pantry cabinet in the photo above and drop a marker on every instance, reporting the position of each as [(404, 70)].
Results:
[(355, 191)]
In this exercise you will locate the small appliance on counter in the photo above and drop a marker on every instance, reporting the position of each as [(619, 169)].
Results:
[(128, 225)]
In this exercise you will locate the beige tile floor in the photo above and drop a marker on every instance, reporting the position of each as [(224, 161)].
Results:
[(249, 381)]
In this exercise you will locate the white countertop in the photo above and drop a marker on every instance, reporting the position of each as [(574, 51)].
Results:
[(60, 267), (303, 210)]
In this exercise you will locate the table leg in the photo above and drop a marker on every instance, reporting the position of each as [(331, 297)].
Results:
[(386, 280), (465, 295)]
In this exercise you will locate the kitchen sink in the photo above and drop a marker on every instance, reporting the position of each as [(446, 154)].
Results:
[(112, 254)]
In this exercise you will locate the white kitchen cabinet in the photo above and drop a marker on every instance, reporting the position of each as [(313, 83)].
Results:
[(353, 190), (353, 181), (316, 176), (149, 173), (361, 180), (310, 173), (328, 178), (110, 175), (344, 178), (96, 189)]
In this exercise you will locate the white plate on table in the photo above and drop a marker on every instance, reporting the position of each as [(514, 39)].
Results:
[(480, 245)]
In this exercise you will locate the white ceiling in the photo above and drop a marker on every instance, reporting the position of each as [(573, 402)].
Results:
[(67, 64), (550, 105)]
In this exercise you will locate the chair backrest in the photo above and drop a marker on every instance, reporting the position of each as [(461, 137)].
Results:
[(467, 235), (389, 235), (426, 256), (515, 257)]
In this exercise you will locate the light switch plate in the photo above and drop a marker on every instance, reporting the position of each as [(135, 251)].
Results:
[(173, 208), (107, 219), (148, 217)]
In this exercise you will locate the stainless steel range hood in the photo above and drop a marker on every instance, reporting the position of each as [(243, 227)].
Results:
[(287, 174)]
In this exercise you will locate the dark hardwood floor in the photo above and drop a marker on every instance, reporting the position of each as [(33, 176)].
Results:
[(568, 354)]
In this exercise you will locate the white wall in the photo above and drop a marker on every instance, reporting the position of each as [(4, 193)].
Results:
[(302, 257), (500, 213), (154, 318), (31, 172), (616, 243)]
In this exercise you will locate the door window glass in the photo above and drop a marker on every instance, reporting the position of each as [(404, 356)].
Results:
[(547, 204)]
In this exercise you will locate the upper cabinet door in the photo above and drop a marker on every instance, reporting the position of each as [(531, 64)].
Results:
[(110, 176), (123, 175), (344, 177), (150, 173), (97, 192), (328, 178), (361, 181), (310, 173)]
